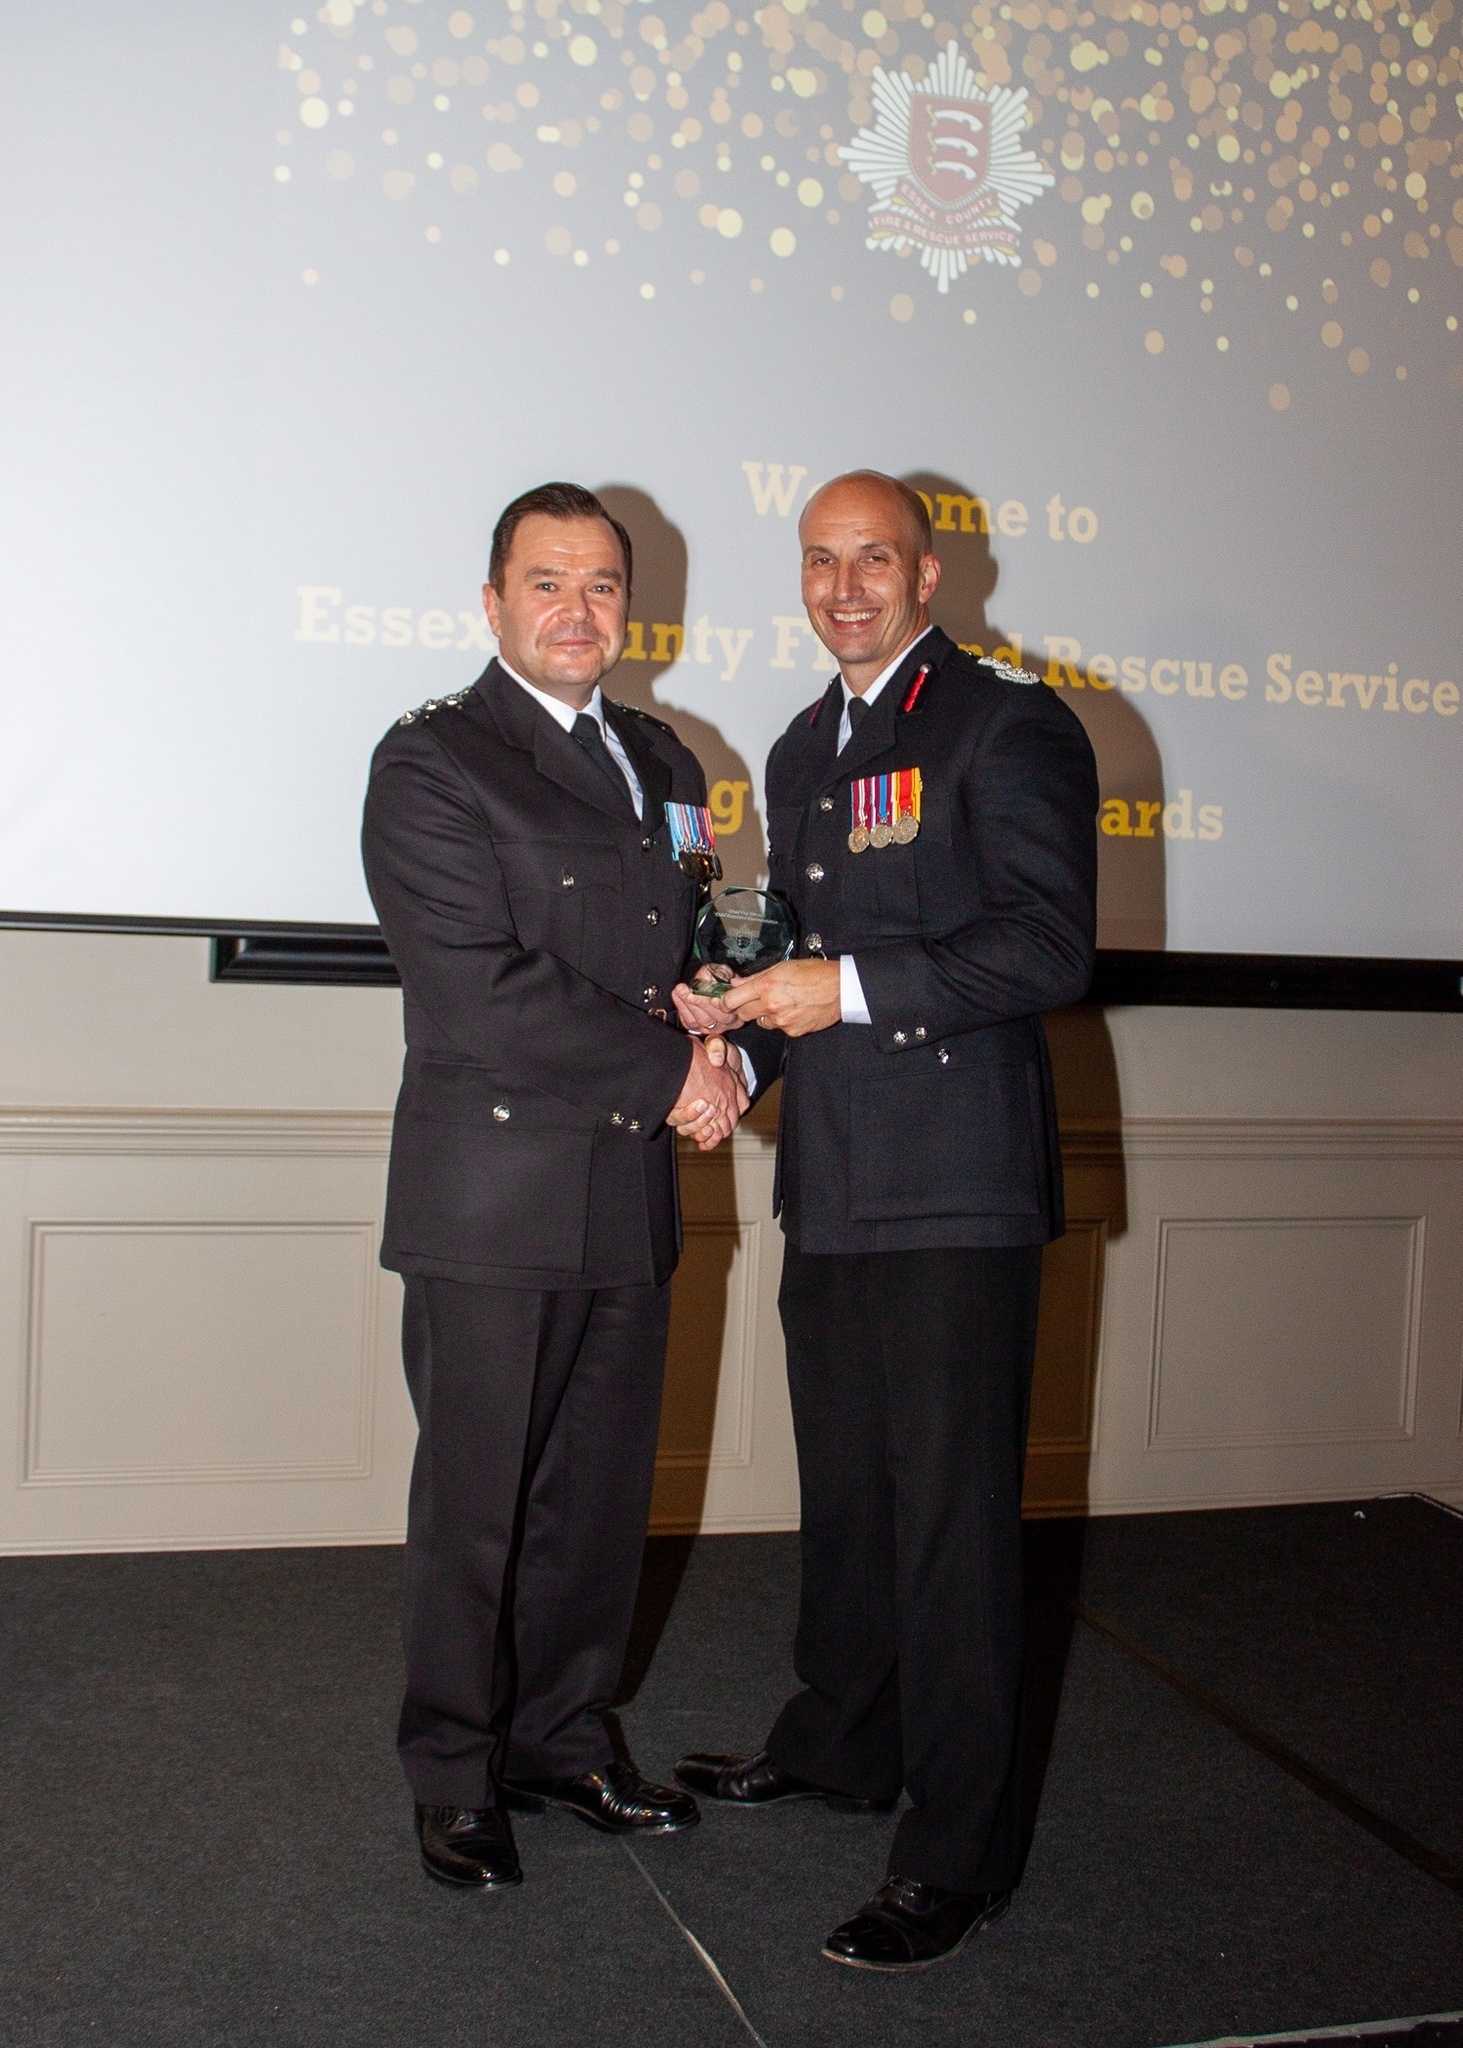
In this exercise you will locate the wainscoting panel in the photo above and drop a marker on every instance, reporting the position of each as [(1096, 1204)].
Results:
[(201, 1351), (1285, 1330), (202, 1348), (171, 1351), (1283, 1315)]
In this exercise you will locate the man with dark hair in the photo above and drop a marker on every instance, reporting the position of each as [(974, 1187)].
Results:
[(932, 820), (539, 909)]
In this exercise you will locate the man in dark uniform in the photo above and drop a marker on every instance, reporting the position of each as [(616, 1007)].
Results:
[(932, 821), (518, 853)]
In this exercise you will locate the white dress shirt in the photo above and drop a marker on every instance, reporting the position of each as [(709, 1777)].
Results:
[(565, 715), (850, 989)]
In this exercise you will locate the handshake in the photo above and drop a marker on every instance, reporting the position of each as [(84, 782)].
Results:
[(796, 998)]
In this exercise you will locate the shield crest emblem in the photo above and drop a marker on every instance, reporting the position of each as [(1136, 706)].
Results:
[(948, 146)]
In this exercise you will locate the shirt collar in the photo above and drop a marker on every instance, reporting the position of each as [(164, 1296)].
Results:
[(879, 681), (563, 714)]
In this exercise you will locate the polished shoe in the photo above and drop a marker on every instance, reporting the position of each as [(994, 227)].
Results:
[(758, 1781), (908, 1926), (468, 1845), (616, 1799)]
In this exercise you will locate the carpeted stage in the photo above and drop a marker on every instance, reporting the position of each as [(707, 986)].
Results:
[(1246, 1787)]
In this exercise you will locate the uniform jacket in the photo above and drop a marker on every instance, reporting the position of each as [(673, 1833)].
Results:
[(538, 928), (936, 1125)]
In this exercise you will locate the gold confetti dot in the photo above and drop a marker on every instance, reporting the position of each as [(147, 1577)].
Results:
[(282, 174), (463, 178), (1331, 334), (502, 157), (612, 247), (309, 277), (1142, 205), (396, 184), (1028, 283), (581, 257), (314, 113), (648, 216), (782, 241), (810, 192), (565, 184), (728, 222), (583, 50), (500, 255), (901, 306), (647, 291), (687, 184), (434, 234), (836, 291), (1153, 342), (1359, 361), (754, 284), (698, 277), (1093, 290), (968, 316), (874, 25), (558, 241), (1045, 254), (1221, 342), (1279, 397), (459, 24)]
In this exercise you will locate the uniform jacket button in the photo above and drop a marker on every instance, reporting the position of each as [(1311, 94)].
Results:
[(501, 1112), (814, 942), (900, 1038), (652, 992), (815, 871), (943, 1057), (652, 916), (617, 1116), (647, 844), (825, 803), (568, 882), (920, 1032), (634, 1123)]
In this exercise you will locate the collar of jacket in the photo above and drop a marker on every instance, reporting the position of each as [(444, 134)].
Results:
[(558, 756), (880, 730)]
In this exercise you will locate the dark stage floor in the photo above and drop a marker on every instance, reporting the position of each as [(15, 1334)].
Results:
[(1247, 1788)]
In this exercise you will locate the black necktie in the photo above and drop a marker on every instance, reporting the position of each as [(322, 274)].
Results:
[(858, 711), (589, 736)]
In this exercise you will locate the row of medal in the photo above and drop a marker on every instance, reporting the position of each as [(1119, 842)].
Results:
[(693, 841), (885, 810)]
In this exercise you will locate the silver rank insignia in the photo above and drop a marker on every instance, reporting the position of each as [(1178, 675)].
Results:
[(1012, 675), (452, 703)]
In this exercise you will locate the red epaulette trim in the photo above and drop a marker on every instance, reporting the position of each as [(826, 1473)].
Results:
[(913, 693), (817, 711)]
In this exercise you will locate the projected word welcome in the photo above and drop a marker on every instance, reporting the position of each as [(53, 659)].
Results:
[(776, 487)]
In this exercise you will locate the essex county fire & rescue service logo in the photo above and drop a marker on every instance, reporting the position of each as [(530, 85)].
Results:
[(947, 167)]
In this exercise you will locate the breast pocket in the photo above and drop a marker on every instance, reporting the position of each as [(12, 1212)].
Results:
[(559, 889)]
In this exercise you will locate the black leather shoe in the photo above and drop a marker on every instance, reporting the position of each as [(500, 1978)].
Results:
[(758, 1781), (908, 1926), (468, 1845), (616, 1799)]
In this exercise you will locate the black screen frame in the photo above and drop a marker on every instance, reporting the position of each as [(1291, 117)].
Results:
[(355, 956)]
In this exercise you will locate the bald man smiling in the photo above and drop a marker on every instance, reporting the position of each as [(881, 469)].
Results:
[(933, 822)]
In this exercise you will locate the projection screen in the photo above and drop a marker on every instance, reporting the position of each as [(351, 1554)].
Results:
[(1158, 305)]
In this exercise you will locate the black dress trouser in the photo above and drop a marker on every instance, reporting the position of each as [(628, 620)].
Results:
[(538, 1414), (910, 1376)]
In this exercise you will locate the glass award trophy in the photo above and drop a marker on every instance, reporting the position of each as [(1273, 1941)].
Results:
[(741, 932)]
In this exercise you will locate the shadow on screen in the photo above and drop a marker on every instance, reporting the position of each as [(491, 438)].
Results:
[(700, 1298), (658, 610)]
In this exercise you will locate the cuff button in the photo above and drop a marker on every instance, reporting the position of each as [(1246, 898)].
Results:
[(901, 1038)]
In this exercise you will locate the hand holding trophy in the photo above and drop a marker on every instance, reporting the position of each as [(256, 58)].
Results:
[(741, 932)]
